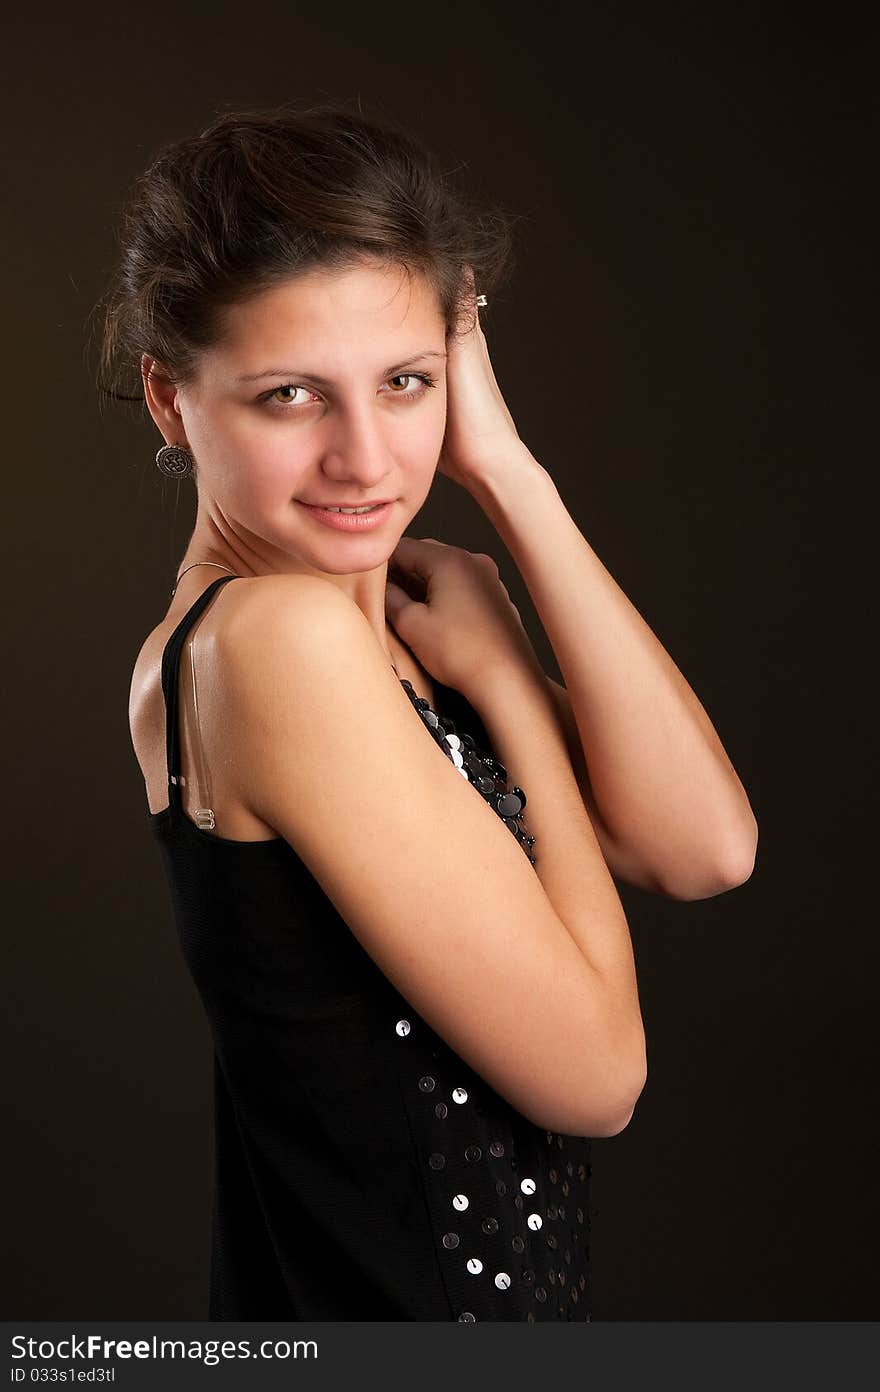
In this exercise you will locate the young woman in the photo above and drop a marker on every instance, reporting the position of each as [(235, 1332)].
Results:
[(417, 971)]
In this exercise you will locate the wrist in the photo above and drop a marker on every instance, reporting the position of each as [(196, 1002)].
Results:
[(508, 484)]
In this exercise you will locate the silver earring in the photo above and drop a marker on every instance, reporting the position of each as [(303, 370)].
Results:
[(175, 460)]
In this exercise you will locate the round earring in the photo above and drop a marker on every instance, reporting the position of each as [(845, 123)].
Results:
[(175, 460)]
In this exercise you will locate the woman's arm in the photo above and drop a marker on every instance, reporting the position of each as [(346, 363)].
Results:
[(526, 972), (660, 787), (516, 707)]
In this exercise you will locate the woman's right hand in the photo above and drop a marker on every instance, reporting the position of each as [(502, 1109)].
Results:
[(454, 613)]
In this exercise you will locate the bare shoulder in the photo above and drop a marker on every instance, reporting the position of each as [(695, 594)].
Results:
[(292, 604), (290, 642), (239, 631), (291, 634)]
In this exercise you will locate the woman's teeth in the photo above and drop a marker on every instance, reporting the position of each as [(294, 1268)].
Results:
[(371, 508)]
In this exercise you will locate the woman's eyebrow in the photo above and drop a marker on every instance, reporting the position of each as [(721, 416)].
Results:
[(325, 381)]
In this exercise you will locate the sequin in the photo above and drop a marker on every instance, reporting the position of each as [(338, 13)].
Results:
[(492, 1215), (484, 772)]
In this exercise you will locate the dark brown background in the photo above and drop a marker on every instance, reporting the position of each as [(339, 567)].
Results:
[(684, 346)]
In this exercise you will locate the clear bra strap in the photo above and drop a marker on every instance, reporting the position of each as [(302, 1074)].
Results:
[(203, 816)]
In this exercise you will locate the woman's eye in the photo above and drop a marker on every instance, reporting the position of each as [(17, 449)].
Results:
[(288, 387), (424, 380)]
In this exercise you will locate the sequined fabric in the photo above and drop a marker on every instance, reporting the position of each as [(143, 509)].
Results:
[(362, 1169), (509, 1203), (484, 772)]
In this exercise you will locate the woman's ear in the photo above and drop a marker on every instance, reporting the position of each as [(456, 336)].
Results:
[(160, 394)]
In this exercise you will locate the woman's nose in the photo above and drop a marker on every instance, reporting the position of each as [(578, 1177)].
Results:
[(358, 450)]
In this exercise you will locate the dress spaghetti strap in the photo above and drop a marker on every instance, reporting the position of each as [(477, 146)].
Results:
[(170, 690)]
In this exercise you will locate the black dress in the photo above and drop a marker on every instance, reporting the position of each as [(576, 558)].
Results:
[(363, 1171)]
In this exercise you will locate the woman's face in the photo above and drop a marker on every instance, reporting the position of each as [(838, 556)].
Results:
[(317, 395)]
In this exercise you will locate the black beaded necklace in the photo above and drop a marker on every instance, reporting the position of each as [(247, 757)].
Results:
[(485, 773)]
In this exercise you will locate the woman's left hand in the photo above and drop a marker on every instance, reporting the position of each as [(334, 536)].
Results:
[(479, 427)]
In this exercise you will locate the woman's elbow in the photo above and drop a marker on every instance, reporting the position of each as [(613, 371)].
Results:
[(616, 1118)]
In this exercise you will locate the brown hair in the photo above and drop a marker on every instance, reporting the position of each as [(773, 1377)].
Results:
[(261, 195)]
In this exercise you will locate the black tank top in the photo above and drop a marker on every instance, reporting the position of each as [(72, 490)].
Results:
[(362, 1169)]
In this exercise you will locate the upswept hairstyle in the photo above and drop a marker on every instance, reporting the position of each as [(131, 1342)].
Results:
[(262, 195)]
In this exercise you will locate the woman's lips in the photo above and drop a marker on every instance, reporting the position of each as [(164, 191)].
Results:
[(349, 521)]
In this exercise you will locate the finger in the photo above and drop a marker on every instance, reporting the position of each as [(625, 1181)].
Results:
[(418, 540), (396, 599), (416, 555)]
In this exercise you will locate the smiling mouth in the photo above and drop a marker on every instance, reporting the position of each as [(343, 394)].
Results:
[(349, 508)]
